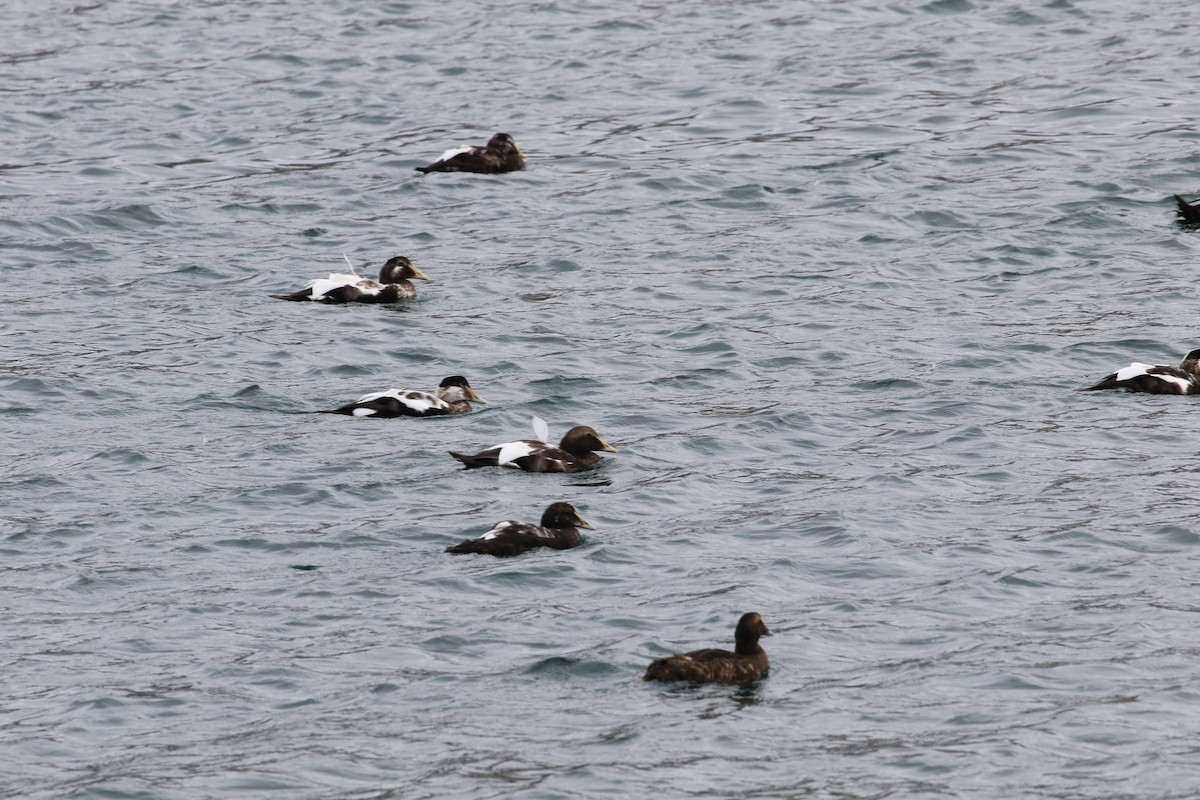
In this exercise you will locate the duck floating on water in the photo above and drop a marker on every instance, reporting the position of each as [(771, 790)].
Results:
[(748, 661), (1155, 378), (1189, 211), (500, 154), (559, 530), (393, 285), (452, 396), (577, 451)]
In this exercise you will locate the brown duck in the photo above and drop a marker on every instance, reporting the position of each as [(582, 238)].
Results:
[(748, 662)]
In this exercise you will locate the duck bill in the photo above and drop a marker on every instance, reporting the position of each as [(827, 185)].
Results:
[(471, 393), (608, 448), (766, 632), (420, 275), (583, 523)]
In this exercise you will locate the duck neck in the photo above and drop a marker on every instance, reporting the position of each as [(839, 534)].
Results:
[(747, 647)]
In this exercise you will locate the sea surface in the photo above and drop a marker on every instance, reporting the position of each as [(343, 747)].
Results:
[(827, 273)]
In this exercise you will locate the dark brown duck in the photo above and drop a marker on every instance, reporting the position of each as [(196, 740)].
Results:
[(559, 530), (748, 662), (500, 154)]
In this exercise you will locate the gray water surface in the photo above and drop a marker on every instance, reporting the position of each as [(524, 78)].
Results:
[(827, 273)]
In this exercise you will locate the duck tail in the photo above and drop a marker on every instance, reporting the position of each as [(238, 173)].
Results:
[(472, 461), (1190, 213)]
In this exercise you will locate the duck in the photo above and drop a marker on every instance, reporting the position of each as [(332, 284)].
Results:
[(500, 154), (559, 530), (452, 396), (1155, 378), (748, 661), (1189, 211), (393, 285), (577, 451)]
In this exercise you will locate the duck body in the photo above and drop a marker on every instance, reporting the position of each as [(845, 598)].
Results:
[(453, 396), (558, 530), (748, 662), (393, 285), (1190, 212), (500, 154), (576, 451), (1156, 378)]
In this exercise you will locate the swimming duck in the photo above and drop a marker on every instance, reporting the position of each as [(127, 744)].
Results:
[(453, 396), (1189, 211), (577, 451), (557, 531), (393, 285), (500, 154), (748, 662), (1156, 379)]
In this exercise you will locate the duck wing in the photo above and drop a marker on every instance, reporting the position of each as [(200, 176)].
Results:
[(467, 159), (708, 666), (395, 403), (508, 538)]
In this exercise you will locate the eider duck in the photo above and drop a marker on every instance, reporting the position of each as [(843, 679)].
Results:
[(558, 531), (1156, 379), (500, 154), (748, 662), (393, 285), (577, 451), (1189, 211), (453, 396)]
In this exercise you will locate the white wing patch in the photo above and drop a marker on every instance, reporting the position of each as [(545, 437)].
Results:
[(511, 451), (1182, 383), (419, 402), (321, 286), (422, 401), (363, 412), (499, 529), (1134, 370), (367, 398), (454, 151)]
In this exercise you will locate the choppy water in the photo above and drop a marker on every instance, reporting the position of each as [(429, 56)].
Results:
[(826, 272)]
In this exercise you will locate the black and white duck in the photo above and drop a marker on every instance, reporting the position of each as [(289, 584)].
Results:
[(558, 530), (394, 284), (500, 154), (576, 451), (452, 396)]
